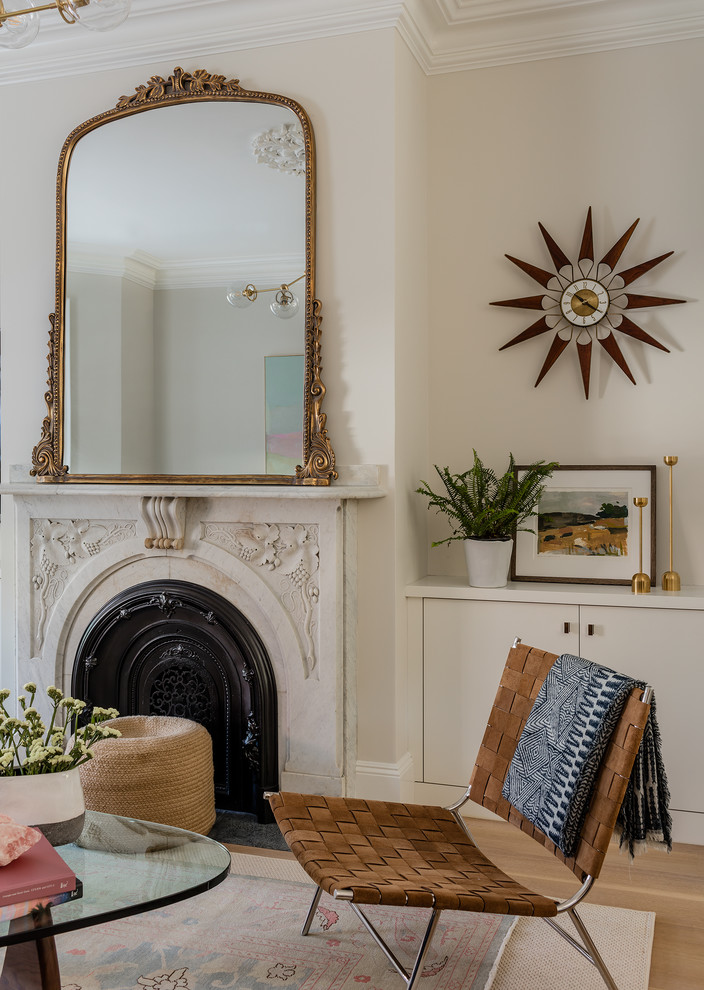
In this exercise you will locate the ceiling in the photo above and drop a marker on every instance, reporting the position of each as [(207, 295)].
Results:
[(445, 35)]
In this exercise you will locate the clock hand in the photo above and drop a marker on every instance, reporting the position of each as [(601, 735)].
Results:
[(585, 302)]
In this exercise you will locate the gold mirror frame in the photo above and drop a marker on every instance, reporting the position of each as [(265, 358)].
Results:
[(318, 466)]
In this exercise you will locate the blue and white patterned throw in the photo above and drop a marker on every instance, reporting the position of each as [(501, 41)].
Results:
[(552, 774)]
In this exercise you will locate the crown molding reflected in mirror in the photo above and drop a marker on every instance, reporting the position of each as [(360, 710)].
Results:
[(119, 388)]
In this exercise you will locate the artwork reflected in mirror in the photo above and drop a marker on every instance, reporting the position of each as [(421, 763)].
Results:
[(186, 342), (284, 411)]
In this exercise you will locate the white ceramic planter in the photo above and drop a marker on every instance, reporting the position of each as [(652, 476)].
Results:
[(488, 562), (53, 802)]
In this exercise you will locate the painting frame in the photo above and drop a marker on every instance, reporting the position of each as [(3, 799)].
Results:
[(590, 563)]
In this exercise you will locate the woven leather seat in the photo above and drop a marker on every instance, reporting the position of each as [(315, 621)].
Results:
[(398, 854), (374, 852)]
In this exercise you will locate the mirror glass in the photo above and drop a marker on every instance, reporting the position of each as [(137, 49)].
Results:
[(165, 210), (186, 338)]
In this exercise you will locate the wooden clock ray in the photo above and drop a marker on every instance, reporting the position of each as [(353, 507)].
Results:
[(586, 302)]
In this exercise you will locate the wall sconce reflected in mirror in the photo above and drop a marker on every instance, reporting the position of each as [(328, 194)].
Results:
[(19, 19), (285, 305)]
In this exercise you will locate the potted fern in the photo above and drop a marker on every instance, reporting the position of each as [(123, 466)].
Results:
[(485, 511)]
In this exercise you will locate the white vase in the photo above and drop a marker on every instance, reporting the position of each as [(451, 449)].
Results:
[(488, 562), (53, 802)]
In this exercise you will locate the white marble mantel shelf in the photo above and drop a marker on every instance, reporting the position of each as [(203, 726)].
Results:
[(329, 492), (356, 482)]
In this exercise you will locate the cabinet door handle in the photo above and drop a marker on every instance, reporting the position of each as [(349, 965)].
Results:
[(566, 626), (590, 629)]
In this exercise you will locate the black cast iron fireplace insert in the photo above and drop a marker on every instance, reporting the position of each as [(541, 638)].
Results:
[(175, 648)]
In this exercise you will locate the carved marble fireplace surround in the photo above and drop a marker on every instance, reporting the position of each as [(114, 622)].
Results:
[(285, 557)]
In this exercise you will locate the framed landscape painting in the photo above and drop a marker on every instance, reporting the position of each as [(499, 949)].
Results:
[(587, 528)]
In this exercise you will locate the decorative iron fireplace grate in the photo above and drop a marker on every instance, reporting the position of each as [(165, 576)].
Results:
[(175, 648)]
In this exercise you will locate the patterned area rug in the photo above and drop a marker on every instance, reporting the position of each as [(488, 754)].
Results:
[(245, 934)]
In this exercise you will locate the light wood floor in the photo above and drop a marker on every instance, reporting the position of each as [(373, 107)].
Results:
[(671, 886)]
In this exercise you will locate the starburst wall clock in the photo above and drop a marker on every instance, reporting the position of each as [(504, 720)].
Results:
[(585, 301)]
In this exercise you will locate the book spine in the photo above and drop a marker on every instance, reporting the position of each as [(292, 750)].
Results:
[(12, 911), (37, 891)]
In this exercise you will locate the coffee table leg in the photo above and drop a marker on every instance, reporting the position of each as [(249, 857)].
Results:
[(31, 965)]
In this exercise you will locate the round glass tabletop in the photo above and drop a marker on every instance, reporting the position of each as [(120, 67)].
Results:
[(125, 867)]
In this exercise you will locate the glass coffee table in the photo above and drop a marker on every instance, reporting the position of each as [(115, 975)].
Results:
[(126, 867)]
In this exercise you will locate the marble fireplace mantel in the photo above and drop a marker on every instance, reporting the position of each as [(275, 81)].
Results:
[(284, 556)]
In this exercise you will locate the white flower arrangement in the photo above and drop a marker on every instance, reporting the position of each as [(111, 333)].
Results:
[(27, 746)]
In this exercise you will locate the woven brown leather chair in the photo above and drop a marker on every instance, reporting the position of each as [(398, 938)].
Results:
[(377, 852)]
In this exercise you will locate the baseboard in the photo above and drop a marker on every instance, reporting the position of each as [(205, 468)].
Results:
[(385, 781), (688, 826), (309, 783)]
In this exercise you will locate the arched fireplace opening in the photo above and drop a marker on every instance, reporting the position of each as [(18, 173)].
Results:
[(175, 648)]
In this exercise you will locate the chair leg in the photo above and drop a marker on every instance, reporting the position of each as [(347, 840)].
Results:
[(593, 951), (311, 911), (417, 970), (425, 945)]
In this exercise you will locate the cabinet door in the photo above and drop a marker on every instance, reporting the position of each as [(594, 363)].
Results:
[(465, 649), (664, 648)]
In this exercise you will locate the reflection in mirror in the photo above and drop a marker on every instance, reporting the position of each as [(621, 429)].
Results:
[(186, 342), (147, 278)]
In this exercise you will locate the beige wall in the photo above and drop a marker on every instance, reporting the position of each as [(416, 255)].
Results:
[(347, 86), (412, 343), (211, 405), (94, 300), (139, 437), (111, 416), (620, 132), (423, 185), (398, 413)]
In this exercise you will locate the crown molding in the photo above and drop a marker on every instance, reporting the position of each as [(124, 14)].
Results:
[(181, 29), (444, 35), (197, 273), (142, 270), (207, 273), (451, 35)]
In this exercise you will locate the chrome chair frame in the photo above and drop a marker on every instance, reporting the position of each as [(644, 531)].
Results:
[(586, 948)]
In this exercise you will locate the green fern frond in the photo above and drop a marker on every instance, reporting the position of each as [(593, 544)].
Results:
[(480, 505)]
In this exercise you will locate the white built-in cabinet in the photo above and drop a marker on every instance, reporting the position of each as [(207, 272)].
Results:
[(458, 640)]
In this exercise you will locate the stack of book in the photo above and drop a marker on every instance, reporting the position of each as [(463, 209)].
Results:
[(38, 877)]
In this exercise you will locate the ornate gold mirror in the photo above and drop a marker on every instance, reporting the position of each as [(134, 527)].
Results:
[(185, 346)]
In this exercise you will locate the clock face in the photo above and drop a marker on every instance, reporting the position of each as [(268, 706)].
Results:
[(585, 302)]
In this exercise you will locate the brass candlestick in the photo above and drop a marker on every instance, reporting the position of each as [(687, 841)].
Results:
[(640, 583), (670, 579)]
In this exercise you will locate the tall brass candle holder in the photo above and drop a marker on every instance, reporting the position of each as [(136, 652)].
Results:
[(640, 583), (670, 579)]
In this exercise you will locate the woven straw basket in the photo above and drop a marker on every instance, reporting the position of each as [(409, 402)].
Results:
[(159, 770)]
